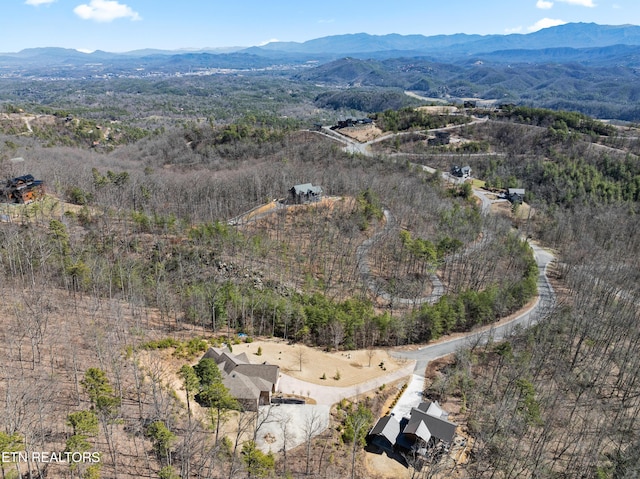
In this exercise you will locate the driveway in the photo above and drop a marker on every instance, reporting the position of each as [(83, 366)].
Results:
[(411, 397), (294, 423)]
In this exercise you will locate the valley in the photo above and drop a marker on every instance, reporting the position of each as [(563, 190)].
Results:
[(379, 249)]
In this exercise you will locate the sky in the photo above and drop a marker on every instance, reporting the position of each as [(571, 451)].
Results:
[(126, 25)]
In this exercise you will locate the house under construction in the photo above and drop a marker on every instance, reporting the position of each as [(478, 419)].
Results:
[(22, 190)]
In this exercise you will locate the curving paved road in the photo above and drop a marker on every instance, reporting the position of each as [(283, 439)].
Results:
[(418, 359), (354, 146), (542, 306)]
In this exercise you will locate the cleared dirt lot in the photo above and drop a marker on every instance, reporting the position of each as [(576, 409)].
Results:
[(438, 109), (353, 366), (362, 133)]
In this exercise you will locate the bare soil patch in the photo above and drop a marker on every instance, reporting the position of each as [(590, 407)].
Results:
[(438, 109), (521, 215), (42, 210), (382, 466), (353, 366), (24, 122), (362, 133)]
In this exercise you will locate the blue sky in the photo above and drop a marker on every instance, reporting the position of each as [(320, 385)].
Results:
[(125, 25)]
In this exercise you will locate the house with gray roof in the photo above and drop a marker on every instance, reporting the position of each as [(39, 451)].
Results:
[(426, 427), (304, 193), (515, 195), (385, 432), (461, 172), (251, 384)]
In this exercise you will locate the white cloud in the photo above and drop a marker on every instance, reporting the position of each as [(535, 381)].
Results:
[(544, 5), (513, 30), (545, 23), (105, 11), (580, 3), (38, 2)]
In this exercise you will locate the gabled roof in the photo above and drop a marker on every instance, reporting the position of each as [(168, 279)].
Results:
[(306, 188), (437, 427), (241, 386), (267, 372), (242, 358), (433, 409), (244, 380), (387, 426), (215, 353), (417, 427), (441, 428), (229, 362), (516, 191)]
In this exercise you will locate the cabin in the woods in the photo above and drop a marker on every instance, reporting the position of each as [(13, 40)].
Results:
[(304, 193)]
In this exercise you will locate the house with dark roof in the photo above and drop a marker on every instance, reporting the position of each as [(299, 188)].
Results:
[(515, 195), (385, 432), (304, 193), (425, 426), (251, 384), (22, 189), (426, 429), (461, 172), (441, 138)]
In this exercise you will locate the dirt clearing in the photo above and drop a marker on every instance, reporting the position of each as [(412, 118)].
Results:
[(350, 367), (362, 133)]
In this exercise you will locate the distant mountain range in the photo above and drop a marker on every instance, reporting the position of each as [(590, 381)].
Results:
[(579, 41), (571, 35), (579, 66)]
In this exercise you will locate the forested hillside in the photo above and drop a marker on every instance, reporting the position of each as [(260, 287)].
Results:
[(143, 254)]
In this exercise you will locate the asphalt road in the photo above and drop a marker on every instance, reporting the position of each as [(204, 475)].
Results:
[(355, 147), (543, 305)]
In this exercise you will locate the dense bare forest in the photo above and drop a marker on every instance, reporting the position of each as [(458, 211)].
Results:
[(141, 256)]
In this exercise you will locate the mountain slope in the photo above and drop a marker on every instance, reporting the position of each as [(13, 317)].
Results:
[(571, 35)]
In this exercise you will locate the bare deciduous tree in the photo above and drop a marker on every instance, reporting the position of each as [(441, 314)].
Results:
[(312, 425)]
